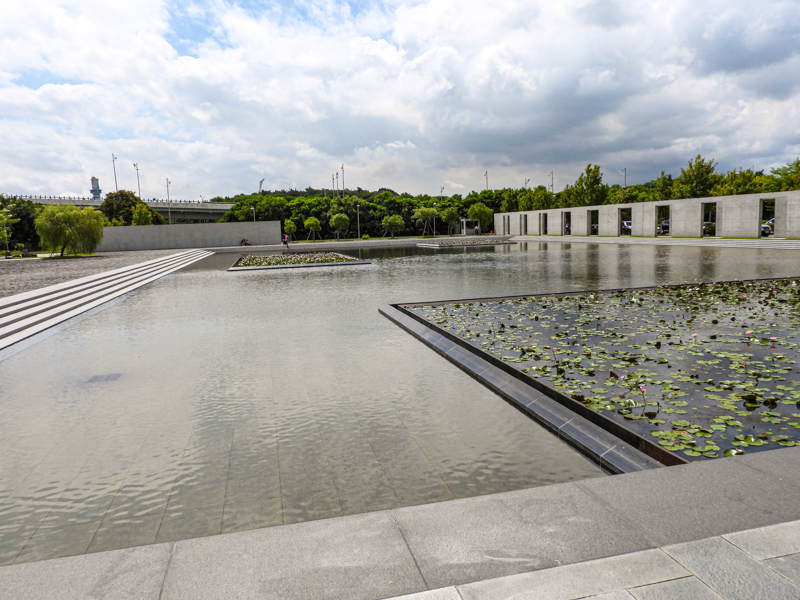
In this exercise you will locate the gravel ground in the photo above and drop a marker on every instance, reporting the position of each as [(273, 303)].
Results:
[(17, 276)]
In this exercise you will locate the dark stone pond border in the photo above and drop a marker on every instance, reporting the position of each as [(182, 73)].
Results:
[(614, 448)]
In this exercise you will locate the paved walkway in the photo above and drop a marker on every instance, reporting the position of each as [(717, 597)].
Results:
[(726, 528)]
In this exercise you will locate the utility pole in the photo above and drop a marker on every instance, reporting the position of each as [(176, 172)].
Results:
[(337, 180), (525, 185), (625, 175), (358, 219), (169, 205), (139, 187), (551, 181), (342, 180), (487, 180), (260, 183), (114, 164)]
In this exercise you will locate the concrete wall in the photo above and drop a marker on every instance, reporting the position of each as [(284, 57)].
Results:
[(736, 217), (203, 235)]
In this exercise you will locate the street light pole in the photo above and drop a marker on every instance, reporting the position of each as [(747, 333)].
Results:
[(487, 179), (260, 183), (358, 219), (551, 181), (342, 180), (625, 175), (169, 204), (526, 183), (253, 208), (139, 187), (114, 163)]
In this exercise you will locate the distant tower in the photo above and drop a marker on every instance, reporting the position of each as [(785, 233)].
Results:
[(95, 188)]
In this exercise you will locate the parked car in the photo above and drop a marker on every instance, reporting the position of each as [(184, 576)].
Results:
[(595, 229), (626, 227), (766, 229), (665, 226), (709, 228)]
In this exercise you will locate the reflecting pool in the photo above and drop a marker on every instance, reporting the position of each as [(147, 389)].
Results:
[(210, 401)]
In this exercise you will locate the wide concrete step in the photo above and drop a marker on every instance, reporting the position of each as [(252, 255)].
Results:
[(27, 314)]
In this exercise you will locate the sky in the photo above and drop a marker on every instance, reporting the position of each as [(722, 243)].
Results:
[(410, 95)]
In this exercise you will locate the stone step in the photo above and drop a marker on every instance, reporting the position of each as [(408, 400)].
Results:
[(27, 314)]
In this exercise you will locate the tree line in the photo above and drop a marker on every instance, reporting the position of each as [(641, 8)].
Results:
[(315, 213), (321, 213)]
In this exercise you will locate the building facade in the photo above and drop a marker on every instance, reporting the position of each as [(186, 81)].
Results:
[(721, 216)]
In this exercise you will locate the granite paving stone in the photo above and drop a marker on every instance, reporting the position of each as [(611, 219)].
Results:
[(787, 566), (688, 588), (130, 574), (181, 524), (241, 516), (491, 536), (768, 542), (730, 572), (617, 595), (125, 533), (680, 503), (579, 580), (358, 557)]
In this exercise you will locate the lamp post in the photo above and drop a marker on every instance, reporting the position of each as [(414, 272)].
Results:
[(551, 181), (260, 183), (358, 219), (139, 187), (625, 176), (342, 180), (253, 208), (434, 219), (526, 182), (114, 164), (169, 205)]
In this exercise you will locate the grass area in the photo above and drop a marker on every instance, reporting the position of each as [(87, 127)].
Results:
[(703, 369)]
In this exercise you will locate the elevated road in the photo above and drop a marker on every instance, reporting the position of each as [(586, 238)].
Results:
[(185, 210)]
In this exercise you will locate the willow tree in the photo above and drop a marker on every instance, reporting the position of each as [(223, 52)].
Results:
[(70, 229)]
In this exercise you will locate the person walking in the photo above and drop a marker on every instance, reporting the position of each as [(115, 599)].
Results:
[(286, 240)]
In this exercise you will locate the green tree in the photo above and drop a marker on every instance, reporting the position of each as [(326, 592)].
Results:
[(289, 227), (538, 198), (7, 220), (622, 195), (660, 189), (313, 226), (393, 224), (70, 229), (589, 189), (482, 214), (118, 207), (24, 230), (141, 215), (451, 217), (424, 216), (743, 181), (787, 177), (696, 180), (340, 223)]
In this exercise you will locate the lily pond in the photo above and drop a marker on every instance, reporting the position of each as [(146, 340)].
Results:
[(704, 370)]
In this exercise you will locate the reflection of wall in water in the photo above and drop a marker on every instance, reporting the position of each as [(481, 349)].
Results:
[(662, 267), (708, 264)]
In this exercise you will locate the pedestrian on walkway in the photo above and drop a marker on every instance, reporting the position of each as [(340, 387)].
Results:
[(286, 240)]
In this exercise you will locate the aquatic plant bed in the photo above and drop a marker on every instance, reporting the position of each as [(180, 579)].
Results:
[(289, 261), (702, 370), (465, 243)]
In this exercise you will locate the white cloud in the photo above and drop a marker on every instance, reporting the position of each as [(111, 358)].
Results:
[(408, 94)]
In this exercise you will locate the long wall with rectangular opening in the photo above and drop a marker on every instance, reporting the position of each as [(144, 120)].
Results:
[(775, 214)]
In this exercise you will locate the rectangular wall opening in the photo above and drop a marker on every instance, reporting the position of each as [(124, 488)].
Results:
[(662, 220), (543, 224), (625, 224), (768, 217), (566, 228), (709, 219), (594, 222)]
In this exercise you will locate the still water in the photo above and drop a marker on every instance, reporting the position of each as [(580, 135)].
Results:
[(210, 402)]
